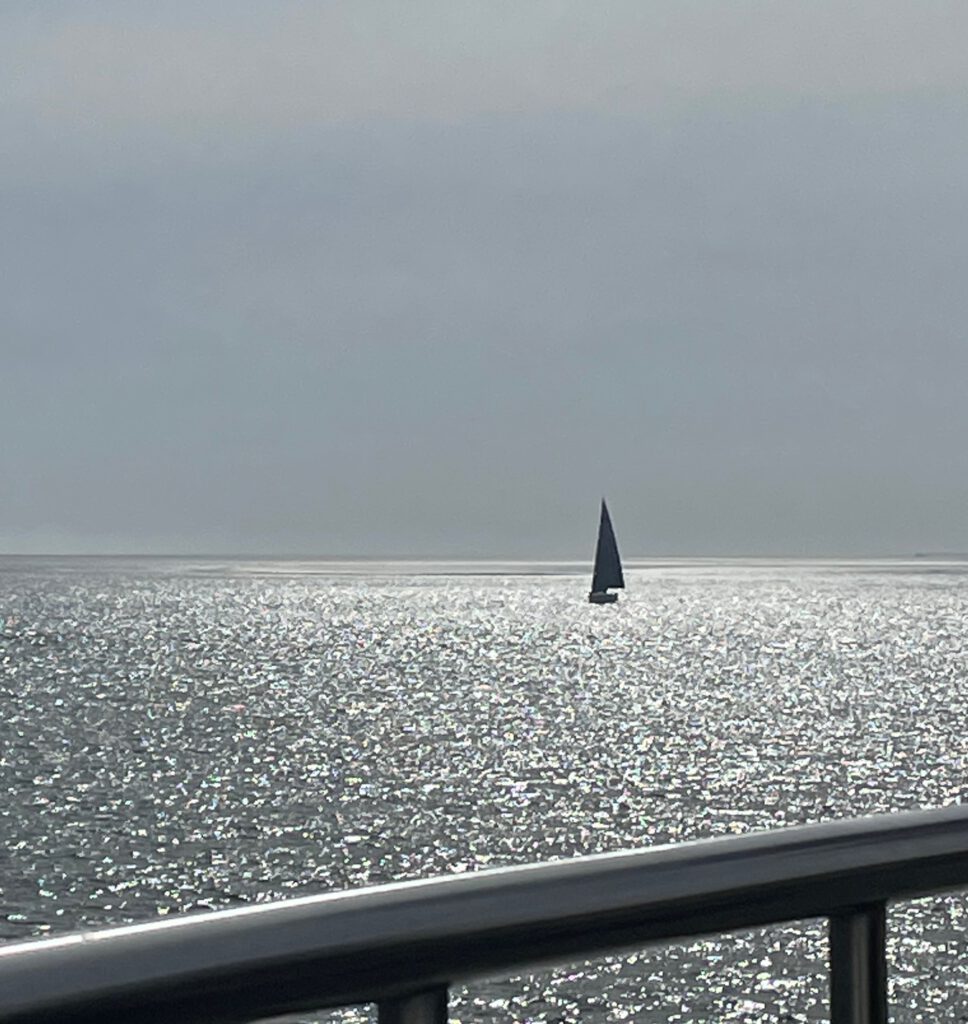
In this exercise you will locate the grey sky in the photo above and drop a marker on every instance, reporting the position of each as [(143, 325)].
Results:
[(430, 278)]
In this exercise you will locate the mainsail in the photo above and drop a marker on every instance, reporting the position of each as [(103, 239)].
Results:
[(608, 567)]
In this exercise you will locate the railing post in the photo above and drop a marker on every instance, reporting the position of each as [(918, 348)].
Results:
[(858, 966), (428, 1007)]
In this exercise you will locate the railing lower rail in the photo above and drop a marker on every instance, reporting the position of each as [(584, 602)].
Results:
[(402, 945)]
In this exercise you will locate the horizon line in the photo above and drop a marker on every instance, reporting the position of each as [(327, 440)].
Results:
[(424, 557)]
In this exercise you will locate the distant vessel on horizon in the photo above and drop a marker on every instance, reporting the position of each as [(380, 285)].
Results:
[(608, 566)]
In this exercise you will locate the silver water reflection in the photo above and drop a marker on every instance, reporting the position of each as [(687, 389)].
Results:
[(180, 735)]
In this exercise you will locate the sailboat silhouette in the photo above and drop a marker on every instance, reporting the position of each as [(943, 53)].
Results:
[(608, 566)]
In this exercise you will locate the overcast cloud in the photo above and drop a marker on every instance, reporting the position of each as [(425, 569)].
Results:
[(429, 278)]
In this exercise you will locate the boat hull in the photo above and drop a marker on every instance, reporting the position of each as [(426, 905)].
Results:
[(602, 597)]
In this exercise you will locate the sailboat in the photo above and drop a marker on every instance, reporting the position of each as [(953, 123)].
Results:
[(608, 566)]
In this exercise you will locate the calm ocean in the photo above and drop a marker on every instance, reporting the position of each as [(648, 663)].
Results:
[(181, 734)]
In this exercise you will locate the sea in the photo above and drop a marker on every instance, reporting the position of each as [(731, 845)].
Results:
[(181, 735)]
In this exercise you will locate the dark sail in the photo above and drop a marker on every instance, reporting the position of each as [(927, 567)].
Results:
[(608, 567)]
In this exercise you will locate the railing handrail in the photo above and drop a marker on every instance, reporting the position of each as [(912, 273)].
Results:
[(382, 942)]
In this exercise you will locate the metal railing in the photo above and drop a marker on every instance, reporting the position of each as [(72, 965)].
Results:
[(402, 945)]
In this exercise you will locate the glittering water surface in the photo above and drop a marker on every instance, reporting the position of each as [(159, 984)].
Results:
[(186, 735)]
